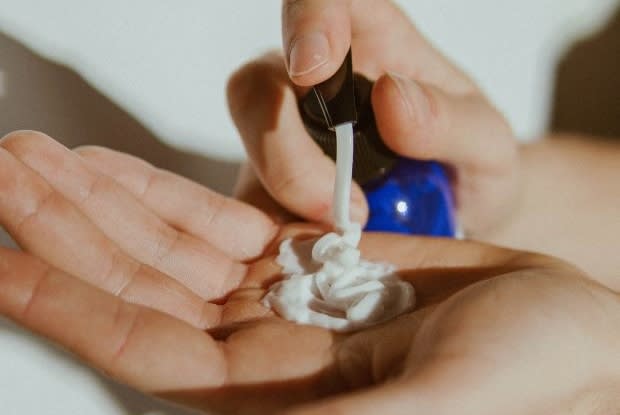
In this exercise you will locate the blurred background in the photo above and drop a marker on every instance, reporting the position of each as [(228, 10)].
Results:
[(148, 76)]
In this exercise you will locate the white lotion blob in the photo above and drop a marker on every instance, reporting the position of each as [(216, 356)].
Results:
[(344, 175), (327, 284)]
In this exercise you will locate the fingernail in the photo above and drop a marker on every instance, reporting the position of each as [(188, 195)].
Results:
[(308, 52), (414, 98)]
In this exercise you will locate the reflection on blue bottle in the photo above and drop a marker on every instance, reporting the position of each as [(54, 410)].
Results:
[(415, 197)]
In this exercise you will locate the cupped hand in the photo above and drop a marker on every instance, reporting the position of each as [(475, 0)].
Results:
[(425, 108), (157, 281)]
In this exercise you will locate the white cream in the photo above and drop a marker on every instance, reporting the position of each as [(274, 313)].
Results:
[(326, 283), (344, 175)]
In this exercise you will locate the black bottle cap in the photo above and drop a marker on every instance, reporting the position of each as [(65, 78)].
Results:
[(335, 97), (371, 158)]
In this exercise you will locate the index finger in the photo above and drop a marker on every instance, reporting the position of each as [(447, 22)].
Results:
[(318, 33)]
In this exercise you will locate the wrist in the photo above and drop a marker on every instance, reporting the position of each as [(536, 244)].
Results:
[(567, 205)]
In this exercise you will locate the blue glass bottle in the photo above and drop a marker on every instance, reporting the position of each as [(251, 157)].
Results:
[(405, 196), (413, 198)]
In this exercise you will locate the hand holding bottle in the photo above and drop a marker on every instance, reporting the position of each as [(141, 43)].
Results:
[(425, 109)]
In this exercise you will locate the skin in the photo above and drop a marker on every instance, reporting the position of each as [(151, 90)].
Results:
[(114, 269), (520, 196), (569, 203)]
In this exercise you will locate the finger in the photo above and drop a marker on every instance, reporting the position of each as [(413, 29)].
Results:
[(137, 346), (381, 35), (250, 190), (135, 229), (44, 223), (290, 165), (186, 205), (316, 36), (423, 122)]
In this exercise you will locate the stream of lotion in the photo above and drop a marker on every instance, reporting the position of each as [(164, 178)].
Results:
[(326, 282)]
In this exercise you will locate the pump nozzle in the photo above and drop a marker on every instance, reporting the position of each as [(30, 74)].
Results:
[(335, 97)]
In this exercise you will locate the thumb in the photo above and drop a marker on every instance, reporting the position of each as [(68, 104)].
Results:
[(316, 36)]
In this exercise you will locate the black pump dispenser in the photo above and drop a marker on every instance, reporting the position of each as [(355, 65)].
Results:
[(345, 97), (335, 97)]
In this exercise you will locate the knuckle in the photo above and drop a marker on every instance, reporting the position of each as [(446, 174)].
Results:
[(36, 292), (49, 201), (125, 324), (165, 245), (115, 273), (98, 186), (127, 282)]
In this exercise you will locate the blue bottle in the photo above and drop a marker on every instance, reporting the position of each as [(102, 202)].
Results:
[(414, 197), (404, 195)]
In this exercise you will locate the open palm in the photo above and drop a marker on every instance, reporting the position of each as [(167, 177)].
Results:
[(157, 282)]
